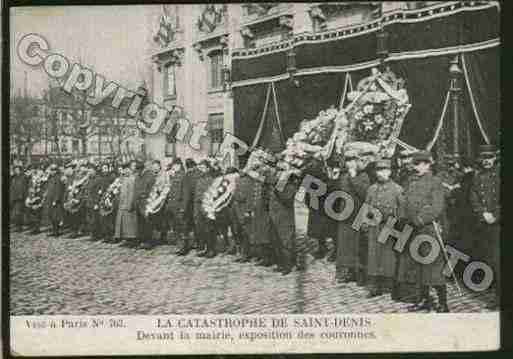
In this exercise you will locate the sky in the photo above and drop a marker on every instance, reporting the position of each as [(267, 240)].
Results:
[(115, 41)]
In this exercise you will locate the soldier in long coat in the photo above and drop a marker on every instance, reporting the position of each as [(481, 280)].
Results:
[(405, 290), (386, 196), (354, 183), (240, 214), (126, 217), (424, 205), (54, 200), (174, 207), (144, 182), (485, 199), (204, 230), (320, 225), (100, 229), (259, 217), (188, 192), (17, 195)]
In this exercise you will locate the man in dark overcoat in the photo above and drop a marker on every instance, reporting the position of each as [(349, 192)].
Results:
[(354, 182), (17, 194), (54, 200), (188, 191), (424, 205), (485, 199), (144, 182)]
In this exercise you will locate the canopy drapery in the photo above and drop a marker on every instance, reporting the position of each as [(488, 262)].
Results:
[(421, 48)]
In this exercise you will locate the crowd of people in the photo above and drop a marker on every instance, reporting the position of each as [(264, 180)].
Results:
[(140, 204)]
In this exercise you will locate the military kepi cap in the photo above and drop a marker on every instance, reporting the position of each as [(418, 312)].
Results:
[(422, 156), (382, 164), (487, 151)]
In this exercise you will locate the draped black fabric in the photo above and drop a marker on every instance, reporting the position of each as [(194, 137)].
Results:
[(352, 50), (457, 29), (261, 66), (427, 79)]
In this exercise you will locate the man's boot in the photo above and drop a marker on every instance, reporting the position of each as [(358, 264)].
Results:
[(425, 301), (186, 246), (441, 291), (373, 287)]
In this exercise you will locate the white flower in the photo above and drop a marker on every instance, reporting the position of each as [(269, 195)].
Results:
[(378, 119), (368, 109)]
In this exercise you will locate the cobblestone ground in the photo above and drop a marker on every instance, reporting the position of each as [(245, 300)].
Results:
[(81, 277)]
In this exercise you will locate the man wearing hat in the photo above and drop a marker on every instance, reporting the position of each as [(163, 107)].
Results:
[(404, 168), (485, 199), (354, 182), (174, 207), (54, 200), (100, 181), (386, 196), (424, 204), (189, 185), (144, 182), (17, 195)]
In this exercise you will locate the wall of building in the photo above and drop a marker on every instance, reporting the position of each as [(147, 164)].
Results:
[(245, 25)]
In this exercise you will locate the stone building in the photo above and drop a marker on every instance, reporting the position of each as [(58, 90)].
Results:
[(209, 60)]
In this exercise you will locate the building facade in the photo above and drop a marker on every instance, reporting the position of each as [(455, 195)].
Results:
[(192, 47)]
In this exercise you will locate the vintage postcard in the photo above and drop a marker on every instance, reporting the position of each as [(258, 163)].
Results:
[(254, 178)]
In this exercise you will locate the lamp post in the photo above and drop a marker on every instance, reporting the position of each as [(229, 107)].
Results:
[(455, 73)]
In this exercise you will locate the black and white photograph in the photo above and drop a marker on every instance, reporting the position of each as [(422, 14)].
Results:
[(248, 159)]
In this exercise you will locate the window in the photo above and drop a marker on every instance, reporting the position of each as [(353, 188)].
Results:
[(215, 132), (74, 145), (216, 70), (170, 81)]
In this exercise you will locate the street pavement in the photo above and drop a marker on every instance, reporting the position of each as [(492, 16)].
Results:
[(82, 277)]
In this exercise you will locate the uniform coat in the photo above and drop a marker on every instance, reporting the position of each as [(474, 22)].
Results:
[(188, 193), (126, 218), (424, 202), (387, 197), (142, 187), (485, 197), (348, 240), (175, 206), (320, 225), (201, 223), (54, 198), (18, 193), (281, 213)]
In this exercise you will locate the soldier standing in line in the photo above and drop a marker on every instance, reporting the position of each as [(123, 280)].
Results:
[(289, 248), (100, 228), (54, 200), (125, 228), (404, 289), (204, 228), (485, 199), (386, 196), (424, 205), (17, 195), (144, 182), (355, 183), (240, 214), (188, 188), (174, 207), (90, 203), (450, 175)]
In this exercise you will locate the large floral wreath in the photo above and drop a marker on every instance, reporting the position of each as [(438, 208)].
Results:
[(109, 197), (36, 193)]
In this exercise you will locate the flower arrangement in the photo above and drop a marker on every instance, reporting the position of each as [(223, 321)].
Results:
[(74, 194), (377, 111), (36, 193), (158, 195), (109, 197), (219, 194)]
